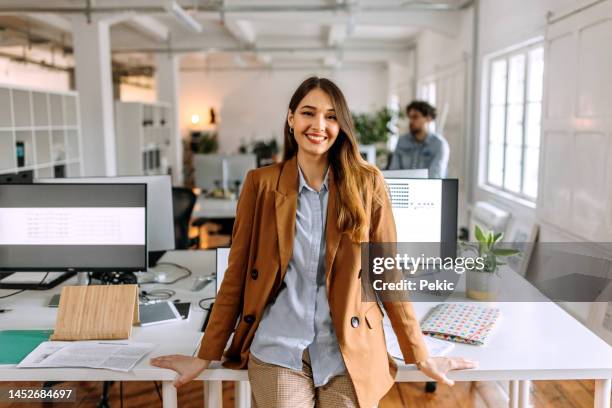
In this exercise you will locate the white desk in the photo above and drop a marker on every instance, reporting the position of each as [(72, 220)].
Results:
[(30, 312), (214, 208), (534, 341)]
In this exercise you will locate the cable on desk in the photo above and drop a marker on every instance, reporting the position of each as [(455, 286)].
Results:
[(23, 290), (205, 300), (187, 274), (156, 295)]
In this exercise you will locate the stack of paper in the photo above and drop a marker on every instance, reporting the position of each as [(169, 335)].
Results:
[(112, 355), (436, 347)]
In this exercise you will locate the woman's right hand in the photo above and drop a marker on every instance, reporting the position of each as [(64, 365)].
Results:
[(187, 367)]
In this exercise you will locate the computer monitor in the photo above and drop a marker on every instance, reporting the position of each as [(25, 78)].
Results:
[(406, 173), (160, 220), (73, 227), (425, 213), (209, 170), (238, 165)]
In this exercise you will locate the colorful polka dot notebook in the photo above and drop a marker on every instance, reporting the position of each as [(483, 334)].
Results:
[(461, 323)]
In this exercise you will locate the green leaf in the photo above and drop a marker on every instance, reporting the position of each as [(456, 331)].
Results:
[(498, 236), (479, 235)]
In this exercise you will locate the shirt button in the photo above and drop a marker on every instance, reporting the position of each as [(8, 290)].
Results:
[(254, 274), (355, 321), (249, 319)]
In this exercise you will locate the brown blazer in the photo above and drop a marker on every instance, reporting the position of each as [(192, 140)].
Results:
[(262, 244)]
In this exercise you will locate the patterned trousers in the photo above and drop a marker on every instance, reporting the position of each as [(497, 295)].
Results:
[(273, 386)]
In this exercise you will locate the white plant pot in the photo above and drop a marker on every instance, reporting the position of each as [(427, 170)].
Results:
[(482, 285)]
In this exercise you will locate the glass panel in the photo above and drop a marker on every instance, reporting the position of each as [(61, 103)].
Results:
[(533, 127), (530, 181), (40, 107), (498, 82), (516, 79), (43, 147), (497, 122), (496, 164), (44, 172), (72, 148), (536, 75), (58, 145), (57, 115), (514, 126), (6, 119), (74, 170), (21, 106), (7, 147), (70, 110), (512, 174)]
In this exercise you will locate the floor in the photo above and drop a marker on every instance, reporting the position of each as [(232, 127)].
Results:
[(557, 394)]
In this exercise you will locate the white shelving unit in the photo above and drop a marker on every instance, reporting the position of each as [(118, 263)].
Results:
[(47, 123), (143, 138)]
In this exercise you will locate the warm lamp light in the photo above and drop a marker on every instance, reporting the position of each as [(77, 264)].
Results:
[(195, 119)]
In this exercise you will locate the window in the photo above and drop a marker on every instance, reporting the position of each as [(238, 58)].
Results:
[(514, 121)]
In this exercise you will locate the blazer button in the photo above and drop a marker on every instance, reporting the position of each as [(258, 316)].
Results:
[(249, 319), (254, 274), (355, 321)]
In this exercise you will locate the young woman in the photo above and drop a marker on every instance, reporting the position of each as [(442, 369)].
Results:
[(292, 290)]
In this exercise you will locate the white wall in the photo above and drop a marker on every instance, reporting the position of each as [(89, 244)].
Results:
[(31, 75), (574, 198), (503, 24), (253, 104), (446, 60), (133, 93)]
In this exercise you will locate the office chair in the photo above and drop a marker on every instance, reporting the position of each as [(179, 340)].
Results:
[(183, 201)]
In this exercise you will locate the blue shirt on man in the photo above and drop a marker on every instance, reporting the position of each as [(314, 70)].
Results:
[(431, 154)]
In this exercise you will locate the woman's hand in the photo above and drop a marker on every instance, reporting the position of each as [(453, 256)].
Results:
[(437, 367), (187, 367)]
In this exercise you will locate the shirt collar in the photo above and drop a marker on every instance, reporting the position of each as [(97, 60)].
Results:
[(425, 142), (304, 184)]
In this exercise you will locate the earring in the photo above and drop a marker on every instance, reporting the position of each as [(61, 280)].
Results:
[(290, 130)]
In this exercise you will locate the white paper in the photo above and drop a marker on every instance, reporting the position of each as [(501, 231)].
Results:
[(112, 355), (436, 347)]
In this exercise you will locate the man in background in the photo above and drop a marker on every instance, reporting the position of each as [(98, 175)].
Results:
[(420, 148)]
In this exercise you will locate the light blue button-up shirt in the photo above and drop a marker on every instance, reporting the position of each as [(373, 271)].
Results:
[(431, 154), (300, 316)]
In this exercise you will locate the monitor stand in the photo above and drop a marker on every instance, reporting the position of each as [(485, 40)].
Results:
[(6, 282)]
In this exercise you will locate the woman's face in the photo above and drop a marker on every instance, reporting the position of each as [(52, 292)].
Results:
[(314, 123)]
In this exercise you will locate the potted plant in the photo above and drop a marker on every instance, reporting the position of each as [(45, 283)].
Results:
[(373, 129), (484, 283)]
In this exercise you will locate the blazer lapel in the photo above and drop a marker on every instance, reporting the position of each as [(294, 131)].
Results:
[(332, 233), (286, 207)]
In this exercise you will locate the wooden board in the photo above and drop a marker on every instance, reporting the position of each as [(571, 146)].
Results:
[(97, 312)]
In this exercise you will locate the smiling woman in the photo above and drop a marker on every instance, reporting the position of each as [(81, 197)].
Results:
[(293, 280)]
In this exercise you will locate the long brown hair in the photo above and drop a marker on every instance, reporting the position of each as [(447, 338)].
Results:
[(353, 176)]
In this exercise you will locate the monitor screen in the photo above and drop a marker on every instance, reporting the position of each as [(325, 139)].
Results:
[(160, 220), (425, 212), (73, 227)]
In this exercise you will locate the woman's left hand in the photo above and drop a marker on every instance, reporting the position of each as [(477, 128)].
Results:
[(437, 367)]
